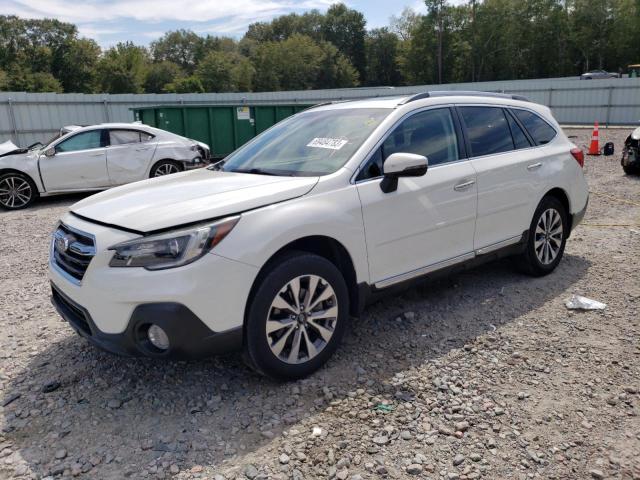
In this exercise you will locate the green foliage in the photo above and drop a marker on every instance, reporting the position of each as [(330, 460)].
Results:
[(181, 47), (301, 63), (190, 84), (346, 29), (75, 65), (122, 69), (214, 72), (473, 40), (382, 57), (159, 75)]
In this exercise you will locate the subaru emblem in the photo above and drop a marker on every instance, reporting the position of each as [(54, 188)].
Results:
[(62, 242)]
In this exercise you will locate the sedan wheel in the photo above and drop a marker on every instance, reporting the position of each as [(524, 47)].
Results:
[(165, 168), (302, 319), (16, 191)]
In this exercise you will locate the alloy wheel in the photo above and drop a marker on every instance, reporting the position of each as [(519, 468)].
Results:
[(302, 319), (166, 169), (548, 236), (15, 192)]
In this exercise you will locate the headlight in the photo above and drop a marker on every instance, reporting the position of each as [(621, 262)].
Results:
[(172, 249)]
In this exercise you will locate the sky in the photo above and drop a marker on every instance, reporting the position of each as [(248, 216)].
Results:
[(142, 21)]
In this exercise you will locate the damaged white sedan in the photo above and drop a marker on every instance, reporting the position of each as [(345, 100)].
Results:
[(91, 158)]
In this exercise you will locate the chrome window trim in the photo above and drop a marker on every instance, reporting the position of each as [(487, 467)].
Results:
[(527, 131), (388, 132), (480, 157)]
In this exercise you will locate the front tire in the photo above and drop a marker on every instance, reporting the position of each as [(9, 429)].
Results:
[(631, 169), (547, 238), (16, 191), (165, 167), (296, 316)]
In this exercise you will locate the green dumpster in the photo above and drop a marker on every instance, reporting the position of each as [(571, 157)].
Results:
[(223, 127)]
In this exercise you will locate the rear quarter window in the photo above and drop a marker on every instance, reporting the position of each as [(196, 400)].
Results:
[(541, 132)]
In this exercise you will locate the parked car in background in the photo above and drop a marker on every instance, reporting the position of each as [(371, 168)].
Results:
[(598, 75), (273, 249), (94, 157), (631, 153)]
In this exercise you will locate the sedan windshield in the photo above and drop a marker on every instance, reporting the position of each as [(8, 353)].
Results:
[(308, 144)]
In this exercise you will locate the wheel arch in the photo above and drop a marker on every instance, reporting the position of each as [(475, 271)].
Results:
[(328, 248), (14, 170)]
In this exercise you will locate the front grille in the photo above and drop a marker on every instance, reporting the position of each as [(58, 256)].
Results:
[(72, 251)]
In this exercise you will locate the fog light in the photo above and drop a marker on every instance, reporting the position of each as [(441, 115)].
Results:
[(158, 337)]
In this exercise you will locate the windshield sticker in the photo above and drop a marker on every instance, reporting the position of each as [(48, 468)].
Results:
[(330, 143)]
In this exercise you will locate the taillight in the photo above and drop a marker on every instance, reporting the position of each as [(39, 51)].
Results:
[(578, 154)]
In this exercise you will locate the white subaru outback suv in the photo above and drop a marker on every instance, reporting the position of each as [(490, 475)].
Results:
[(275, 248)]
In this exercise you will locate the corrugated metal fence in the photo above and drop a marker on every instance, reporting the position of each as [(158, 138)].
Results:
[(30, 117)]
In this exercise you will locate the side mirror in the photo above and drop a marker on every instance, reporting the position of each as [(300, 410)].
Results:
[(50, 152), (402, 165)]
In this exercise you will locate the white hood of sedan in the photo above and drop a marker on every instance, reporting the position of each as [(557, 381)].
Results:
[(188, 197), (7, 147)]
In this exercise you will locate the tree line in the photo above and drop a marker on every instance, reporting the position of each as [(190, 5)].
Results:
[(475, 41)]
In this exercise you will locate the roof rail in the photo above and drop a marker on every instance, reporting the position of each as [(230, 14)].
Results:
[(466, 93)]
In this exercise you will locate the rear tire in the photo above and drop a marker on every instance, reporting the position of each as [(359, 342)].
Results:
[(296, 317), (17, 191), (631, 169), (165, 167), (547, 238)]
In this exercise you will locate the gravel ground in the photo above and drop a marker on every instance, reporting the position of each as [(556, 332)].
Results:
[(485, 374)]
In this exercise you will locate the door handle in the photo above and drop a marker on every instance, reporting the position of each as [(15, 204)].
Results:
[(142, 149), (463, 186), (97, 154), (534, 166)]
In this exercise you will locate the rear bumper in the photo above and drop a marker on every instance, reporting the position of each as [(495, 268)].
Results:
[(188, 336), (577, 217)]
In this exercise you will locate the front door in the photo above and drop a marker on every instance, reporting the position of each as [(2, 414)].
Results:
[(429, 221), (80, 162)]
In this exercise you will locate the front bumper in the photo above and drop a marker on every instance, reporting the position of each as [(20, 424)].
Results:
[(188, 336), (201, 305)]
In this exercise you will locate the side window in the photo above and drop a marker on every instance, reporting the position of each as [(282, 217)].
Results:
[(540, 131), (430, 133), (487, 130), (81, 141), (520, 140), (124, 137)]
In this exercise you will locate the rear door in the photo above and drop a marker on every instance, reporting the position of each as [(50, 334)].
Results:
[(80, 162), (428, 222), (129, 155), (506, 166)]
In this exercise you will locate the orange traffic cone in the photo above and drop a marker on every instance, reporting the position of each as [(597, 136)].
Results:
[(594, 148)]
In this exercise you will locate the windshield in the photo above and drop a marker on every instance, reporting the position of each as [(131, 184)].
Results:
[(308, 144)]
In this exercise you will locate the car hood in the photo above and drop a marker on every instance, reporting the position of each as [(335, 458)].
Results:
[(188, 197), (8, 147)]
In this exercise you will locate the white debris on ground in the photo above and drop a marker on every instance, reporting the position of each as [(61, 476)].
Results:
[(578, 302)]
